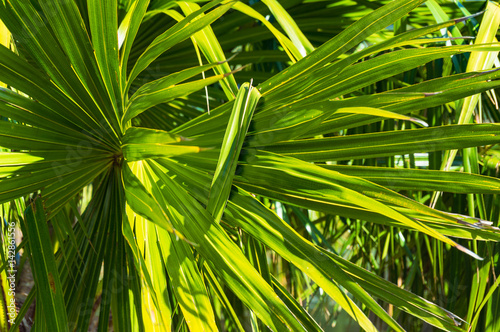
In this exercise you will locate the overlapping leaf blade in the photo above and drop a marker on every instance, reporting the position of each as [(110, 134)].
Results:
[(243, 109), (44, 266), (216, 247)]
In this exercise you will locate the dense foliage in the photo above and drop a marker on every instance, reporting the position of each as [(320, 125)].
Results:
[(250, 165)]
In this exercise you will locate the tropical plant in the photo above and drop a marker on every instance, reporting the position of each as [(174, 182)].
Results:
[(242, 165)]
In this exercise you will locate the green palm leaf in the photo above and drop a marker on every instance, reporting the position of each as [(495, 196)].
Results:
[(282, 205)]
